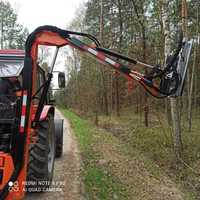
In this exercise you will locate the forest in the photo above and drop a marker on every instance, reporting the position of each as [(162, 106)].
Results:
[(147, 31), (12, 34), (166, 130)]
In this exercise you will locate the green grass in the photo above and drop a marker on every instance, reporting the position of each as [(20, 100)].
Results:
[(155, 147), (99, 184), (152, 146)]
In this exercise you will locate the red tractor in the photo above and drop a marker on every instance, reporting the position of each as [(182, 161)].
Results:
[(29, 157), (30, 137)]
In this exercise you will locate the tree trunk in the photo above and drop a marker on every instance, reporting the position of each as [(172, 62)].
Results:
[(177, 141), (146, 106), (192, 78), (2, 32), (102, 70), (190, 93), (117, 94), (141, 22), (168, 112)]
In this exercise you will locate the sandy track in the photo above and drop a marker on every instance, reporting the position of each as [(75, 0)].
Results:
[(67, 182)]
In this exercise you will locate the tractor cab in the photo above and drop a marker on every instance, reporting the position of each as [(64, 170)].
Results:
[(11, 66), (11, 100), (21, 91)]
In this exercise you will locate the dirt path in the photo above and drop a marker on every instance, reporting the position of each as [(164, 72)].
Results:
[(66, 184)]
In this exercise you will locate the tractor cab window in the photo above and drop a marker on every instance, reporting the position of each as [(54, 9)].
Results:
[(10, 84), (10, 68), (40, 80), (9, 110), (9, 87), (10, 78)]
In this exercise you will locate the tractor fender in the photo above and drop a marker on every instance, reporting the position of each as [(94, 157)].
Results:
[(47, 110)]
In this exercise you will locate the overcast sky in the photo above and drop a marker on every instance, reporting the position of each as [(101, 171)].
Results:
[(34, 13)]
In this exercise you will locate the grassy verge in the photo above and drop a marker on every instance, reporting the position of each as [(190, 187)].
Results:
[(125, 160), (156, 144), (99, 184)]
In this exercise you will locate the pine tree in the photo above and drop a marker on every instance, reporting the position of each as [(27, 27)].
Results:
[(12, 34)]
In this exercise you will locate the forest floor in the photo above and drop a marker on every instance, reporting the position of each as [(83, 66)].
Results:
[(154, 145), (124, 160)]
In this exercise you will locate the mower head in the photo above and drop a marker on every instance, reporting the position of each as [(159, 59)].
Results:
[(173, 76), (182, 65)]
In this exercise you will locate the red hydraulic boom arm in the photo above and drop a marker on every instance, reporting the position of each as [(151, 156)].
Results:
[(160, 82)]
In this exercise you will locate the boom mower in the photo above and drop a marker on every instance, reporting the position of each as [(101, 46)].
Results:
[(29, 136)]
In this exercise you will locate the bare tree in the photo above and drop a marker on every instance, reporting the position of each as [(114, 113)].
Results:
[(173, 102), (192, 74), (141, 21)]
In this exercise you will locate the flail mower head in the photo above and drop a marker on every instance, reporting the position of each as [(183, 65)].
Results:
[(172, 81)]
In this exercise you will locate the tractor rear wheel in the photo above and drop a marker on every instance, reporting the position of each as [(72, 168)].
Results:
[(42, 157)]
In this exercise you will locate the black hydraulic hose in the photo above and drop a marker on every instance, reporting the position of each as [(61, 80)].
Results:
[(91, 37), (172, 61), (112, 53), (150, 84), (42, 100), (63, 33), (151, 93), (39, 89), (176, 52)]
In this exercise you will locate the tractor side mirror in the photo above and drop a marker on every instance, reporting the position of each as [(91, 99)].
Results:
[(52, 101), (61, 80)]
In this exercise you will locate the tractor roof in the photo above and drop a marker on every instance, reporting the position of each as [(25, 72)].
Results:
[(12, 54), (11, 62)]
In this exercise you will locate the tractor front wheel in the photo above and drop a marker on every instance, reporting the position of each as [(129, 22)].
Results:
[(42, 157), (59, 137)]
